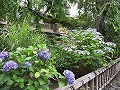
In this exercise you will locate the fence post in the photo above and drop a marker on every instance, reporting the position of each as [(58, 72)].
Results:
[(86, 86), (97, 83), (92, 84), (100, 80)]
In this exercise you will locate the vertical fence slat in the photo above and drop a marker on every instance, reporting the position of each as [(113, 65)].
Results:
[(108, 74), (97, 83), (86, 86), (92, 84), (100, 80)]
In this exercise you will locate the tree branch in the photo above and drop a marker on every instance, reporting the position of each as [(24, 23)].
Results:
[(50, 19)]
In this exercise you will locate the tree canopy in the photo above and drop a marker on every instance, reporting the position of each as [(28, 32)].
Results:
[(92, 13)]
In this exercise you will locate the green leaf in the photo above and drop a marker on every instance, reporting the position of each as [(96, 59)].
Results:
[(41, 81), (21, 80), (15, 76), (31, 75), (36, 83), (30, 81), (30, 88), (60, 76), (5, 88), (42, 46), (37, 74), (21, 85), (28, 58), (62, 82), (10, 82), (6, 78), (16, 84), (31, 69), (40, 89), (1, 76)]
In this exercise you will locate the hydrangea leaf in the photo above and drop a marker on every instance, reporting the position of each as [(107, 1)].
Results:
[(21, 85), (10, 82), (30, 88), (37, 74), (41, 81), (36, 83), (62, 82)]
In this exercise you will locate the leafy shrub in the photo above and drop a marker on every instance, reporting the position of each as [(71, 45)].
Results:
[(84, 48), (116, 39), (26, 69)]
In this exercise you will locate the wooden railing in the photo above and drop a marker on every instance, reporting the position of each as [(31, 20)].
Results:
[(96, 80)]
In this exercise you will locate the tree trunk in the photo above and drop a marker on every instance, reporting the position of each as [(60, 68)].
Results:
[(100, 20)]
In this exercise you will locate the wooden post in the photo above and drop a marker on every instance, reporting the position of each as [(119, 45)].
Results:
[(109, 73), (92, 84), (100, 80), (107, 77), (97, 83), (86, 86)]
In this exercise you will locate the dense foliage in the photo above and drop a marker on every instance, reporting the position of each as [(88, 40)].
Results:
[(86, 48), (27, 68), (92, 41)]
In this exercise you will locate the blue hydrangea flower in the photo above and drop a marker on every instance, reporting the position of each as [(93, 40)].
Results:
[(71, 80), (44, 55), (28, 64), (4, 54), (70, 76), (10, 65)]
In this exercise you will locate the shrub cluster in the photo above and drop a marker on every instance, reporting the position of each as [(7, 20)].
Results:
[(84, 47), (27, 69)]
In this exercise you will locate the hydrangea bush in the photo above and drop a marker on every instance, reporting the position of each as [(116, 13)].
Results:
[(27, 69), (84, 47)]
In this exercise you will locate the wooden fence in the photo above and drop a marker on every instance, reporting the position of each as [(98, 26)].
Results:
[(96, 80)]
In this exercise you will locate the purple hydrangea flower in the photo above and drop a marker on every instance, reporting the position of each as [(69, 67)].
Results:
[(28, 64), (4, 54), (70, 76), (71, 80), (44, 55), (68, 73), (10, 65)]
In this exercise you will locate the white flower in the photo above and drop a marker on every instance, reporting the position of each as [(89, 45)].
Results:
[(68, 49), (82, 52), (78, 41), (77, 51), (0, 59), (73, 38), (86, 52), (110, 44), (74, 46), (99, 51), (83, 46), (108, 49), (19, 49), (101, 42)]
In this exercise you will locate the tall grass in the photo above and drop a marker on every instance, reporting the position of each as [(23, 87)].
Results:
[(23, 35)]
